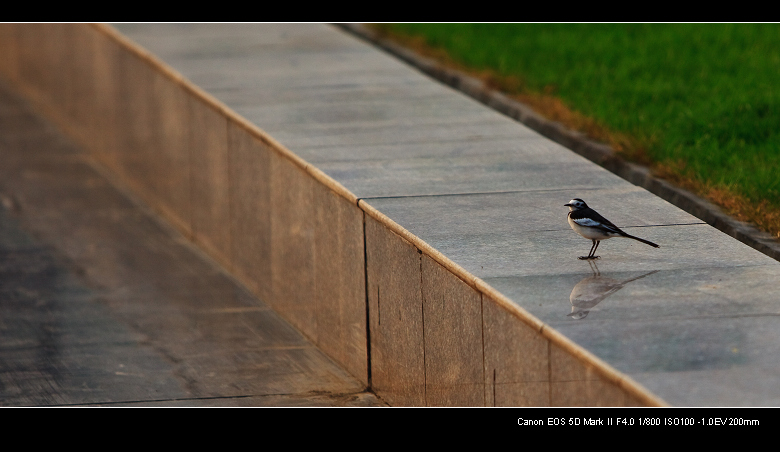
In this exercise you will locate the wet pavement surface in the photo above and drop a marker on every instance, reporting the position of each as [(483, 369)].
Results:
[(694, 321), (104, 305)]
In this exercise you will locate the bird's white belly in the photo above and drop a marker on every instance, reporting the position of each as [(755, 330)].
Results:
[(590, 233)]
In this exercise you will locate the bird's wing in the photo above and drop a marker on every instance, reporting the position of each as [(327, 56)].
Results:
[(594, 220)]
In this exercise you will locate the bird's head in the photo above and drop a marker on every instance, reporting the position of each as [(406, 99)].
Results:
[(576, 204)]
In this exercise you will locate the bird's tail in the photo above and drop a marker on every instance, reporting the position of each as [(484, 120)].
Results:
[(648, 242)]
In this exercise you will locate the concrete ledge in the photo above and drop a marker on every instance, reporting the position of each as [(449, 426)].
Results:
[(596, 152), (373, 296)]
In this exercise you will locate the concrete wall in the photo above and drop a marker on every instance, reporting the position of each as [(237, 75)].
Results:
[(403, 319)]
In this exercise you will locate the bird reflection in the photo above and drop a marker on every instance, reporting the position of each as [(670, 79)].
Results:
[(590, 291)]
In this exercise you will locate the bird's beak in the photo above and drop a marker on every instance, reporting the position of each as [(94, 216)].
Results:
[(567, 205)]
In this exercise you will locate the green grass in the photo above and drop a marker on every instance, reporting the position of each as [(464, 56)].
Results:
[(703, 99)]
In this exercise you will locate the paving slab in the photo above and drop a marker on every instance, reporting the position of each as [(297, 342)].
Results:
[(105, 305), (692, 321)]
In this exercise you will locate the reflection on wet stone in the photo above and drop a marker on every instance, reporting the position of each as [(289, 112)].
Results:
[(679, 332), (592, 290)]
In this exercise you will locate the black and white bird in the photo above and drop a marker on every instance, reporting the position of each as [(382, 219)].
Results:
[(589, 224)]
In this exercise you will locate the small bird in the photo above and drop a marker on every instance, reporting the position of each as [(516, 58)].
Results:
[(589, 224)]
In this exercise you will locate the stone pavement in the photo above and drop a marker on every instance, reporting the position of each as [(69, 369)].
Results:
[(694, 321), (104, 305)]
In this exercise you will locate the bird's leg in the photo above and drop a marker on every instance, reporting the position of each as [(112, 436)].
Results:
[(589, 254), (592, 250), (592, 253)]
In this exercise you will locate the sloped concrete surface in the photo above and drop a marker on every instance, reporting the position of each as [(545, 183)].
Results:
[(105, 305)]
